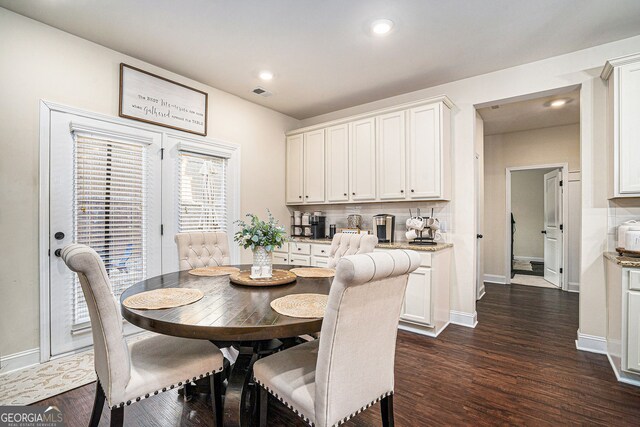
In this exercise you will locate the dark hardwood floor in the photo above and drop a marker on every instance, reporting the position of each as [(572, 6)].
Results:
[(518, 367)]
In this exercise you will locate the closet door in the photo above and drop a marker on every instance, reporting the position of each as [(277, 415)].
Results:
[(362, 171), (391, 156), (314, 167), (294, 167), (337, 178)]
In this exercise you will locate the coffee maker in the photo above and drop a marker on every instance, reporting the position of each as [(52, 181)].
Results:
[(317, 226), (383, 227)]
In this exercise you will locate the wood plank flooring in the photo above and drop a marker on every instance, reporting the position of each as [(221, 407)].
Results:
[(518, 367)]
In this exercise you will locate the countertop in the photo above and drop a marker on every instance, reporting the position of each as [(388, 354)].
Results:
[(623, 261), (396, 245)]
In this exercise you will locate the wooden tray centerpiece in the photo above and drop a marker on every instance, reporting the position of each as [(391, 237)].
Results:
[(278, 277)]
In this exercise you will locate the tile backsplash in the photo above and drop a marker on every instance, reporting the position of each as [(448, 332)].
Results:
[(337, 214), (620, 211)]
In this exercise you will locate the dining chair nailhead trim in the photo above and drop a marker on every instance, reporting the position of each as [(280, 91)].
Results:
[(307, 420), (169, 387)]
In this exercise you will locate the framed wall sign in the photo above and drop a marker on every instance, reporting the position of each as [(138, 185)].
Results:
[(154, 99)]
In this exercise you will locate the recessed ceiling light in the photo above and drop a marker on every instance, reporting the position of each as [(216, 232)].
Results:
[(381, 26), (558, 103), (266, 75)]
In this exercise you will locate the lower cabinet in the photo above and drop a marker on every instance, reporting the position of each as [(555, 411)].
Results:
[(303, 254), (426, 308), (633, 332), (623, 320)]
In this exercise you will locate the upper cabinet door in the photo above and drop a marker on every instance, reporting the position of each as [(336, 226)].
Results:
[(362, 178), (295, 161), (314, 166), (391, 156), (337, 163), (629, 128), (424, 152)]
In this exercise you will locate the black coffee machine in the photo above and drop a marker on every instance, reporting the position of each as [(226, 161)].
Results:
[(317, 226)]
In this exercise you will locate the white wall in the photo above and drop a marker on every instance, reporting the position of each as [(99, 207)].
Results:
[(40, 62), (527, 206), (576, 68)]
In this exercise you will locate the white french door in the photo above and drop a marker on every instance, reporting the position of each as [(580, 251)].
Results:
[(553, 248), (105, 192)]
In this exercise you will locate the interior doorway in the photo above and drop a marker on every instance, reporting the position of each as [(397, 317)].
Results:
[(536, 213)]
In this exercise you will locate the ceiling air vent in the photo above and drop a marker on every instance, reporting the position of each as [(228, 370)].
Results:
[(262, 92)]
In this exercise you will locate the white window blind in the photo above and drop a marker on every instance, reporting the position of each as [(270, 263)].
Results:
[(202, 192), (110, 179)]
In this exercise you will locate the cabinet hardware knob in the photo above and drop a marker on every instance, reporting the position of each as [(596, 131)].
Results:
[(479, 236), (402, 191), (299, 197), (306, 197), (345, 194), (58, 253), (412, 190), (353, 194), (59, 235)]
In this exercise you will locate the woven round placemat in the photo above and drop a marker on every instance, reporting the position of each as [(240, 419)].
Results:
[(163, 298), (305, 306), (313, 272), (213, 271)]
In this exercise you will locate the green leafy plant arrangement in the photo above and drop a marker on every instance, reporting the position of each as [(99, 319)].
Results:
[(268, 234)]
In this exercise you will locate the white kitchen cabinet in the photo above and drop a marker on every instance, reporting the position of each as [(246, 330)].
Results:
[(633, 332), (391, 155), (623, 320), (337, 163), (428, 150), (623, 75), (303, 260), (362, 160), (394, 154), (314, 166), (417, 298), (294, 169), (280, 258)]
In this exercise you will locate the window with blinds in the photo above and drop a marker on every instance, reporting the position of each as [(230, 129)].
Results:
[(110, 179), (202, 192)]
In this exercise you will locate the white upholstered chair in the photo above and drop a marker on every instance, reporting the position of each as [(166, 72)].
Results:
[(129, 372), (350, 244), (202, 249), (350, 368)]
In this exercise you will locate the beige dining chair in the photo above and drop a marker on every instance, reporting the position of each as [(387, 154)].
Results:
[(350, 244), (130, 372), (330, 380), (202, 249)]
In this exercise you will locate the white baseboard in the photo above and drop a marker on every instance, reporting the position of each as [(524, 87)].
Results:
[(573, 287), (624, 377), (528, 258), (591, 343), (470, 320), (482, 293), (23, 359), (494, 278)]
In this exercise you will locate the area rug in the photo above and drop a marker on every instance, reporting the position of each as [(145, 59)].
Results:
[(38, 382), (521, 279)]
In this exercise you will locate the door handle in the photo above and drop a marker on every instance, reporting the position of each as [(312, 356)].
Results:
[(544, 231)]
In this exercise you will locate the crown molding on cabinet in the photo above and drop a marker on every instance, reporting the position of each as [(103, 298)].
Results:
[(442, 98), (612, 63)]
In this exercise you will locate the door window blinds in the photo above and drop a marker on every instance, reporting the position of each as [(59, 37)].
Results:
[(202, 192), (110, 179)]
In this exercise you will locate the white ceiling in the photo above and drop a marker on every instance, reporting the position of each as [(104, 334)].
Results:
[(531, 114), (323, 56)]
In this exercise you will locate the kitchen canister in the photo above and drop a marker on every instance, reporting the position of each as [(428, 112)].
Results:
[(632, 240), (623, 229)]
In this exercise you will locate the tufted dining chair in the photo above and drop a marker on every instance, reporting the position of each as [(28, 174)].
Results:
[(130, 372), (350, 244), (202, 249), (329, 380)]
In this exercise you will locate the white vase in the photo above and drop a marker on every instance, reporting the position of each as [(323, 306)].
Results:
[(262, 258)]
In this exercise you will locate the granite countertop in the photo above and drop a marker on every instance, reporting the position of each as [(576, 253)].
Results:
[(624, 261), (395, 245)]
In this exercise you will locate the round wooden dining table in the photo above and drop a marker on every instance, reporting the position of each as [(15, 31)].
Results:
[(228, 315)]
